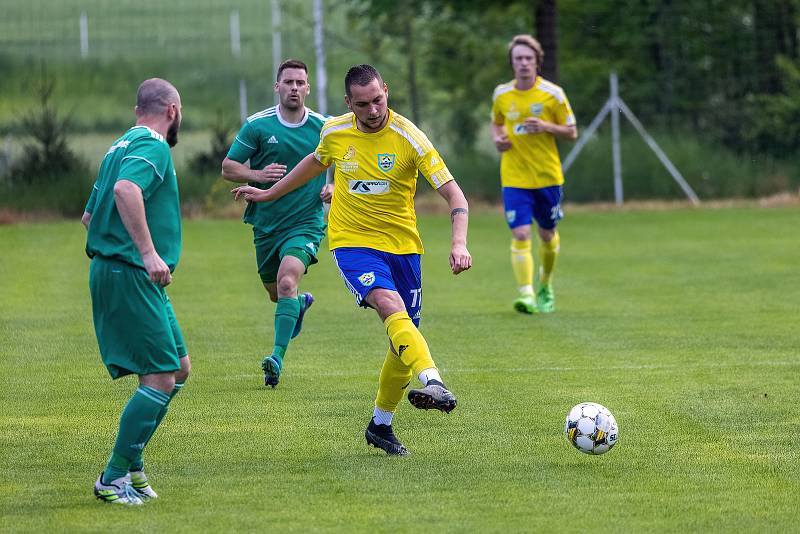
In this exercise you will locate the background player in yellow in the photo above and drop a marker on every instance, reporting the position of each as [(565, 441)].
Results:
[(373, 234), (528, 114)]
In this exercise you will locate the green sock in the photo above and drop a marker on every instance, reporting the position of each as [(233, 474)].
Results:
[(286, 314), (136, 424), (138, 462)]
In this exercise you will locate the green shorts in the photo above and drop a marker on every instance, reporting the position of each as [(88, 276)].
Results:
[(301, 243), (134, 321)]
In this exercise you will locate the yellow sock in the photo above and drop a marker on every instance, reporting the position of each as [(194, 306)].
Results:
[(408, 342), (548, 252), (395, 377), (522, 264)]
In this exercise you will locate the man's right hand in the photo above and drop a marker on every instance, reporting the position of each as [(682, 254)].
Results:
[(157, 269), (271, 173), (502, 143)]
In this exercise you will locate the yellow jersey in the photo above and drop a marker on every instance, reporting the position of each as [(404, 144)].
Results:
[(532, 162), (375, 181)]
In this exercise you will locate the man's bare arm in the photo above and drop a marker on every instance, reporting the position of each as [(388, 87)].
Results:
[(500, 138), (130, 205), (535, 125), (240, 173), (460, 258), (308, 168)]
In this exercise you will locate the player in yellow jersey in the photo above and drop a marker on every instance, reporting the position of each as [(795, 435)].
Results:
[(372, 232), (528, 114)]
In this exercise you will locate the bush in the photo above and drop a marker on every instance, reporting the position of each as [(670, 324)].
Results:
[(48, 176)]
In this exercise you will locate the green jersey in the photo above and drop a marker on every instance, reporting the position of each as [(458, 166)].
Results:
[(141, 156), (267, 138)]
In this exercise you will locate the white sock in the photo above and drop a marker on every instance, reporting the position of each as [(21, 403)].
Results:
[(381, 417), (431, 373), (526, 290)]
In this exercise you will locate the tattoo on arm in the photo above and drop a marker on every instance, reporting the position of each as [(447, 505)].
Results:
[(456, 211)]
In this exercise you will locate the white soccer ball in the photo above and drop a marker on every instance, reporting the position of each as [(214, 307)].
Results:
[(591, 428)]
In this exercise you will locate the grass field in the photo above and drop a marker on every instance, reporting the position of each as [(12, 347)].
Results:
[(683, 323)]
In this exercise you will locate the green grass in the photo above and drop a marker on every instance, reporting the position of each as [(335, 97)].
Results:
[(683, 323)]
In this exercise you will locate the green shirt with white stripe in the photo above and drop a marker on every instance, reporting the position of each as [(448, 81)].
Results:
[(267, 138), (141, 156)]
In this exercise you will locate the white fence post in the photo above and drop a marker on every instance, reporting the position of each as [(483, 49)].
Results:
[(319, 48), (236, 44), (84, 25), (276, 40)]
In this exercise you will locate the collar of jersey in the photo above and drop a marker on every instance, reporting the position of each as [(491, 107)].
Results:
[(291, 124), (152, 131), (379, 132), (535, 85)]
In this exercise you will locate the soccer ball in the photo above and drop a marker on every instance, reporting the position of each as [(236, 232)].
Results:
[(591, 428)]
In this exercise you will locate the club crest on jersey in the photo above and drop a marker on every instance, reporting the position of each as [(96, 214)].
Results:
[(367, 279), (386, 162), (536, 109)]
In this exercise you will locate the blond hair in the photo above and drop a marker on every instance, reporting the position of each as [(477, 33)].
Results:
[(529, 41)]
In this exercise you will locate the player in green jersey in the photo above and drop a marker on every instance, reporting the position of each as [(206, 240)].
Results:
[(133, 219), (286, 234)]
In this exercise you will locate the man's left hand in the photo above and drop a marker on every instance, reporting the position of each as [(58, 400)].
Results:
[(460, 259)]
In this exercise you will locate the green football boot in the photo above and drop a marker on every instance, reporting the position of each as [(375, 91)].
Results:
[(272, 370), (526, 304), (545, 299)]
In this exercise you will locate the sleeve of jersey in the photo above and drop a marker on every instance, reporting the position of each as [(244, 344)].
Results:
[(323, 151), (497, 114), (244, 145), (564, 113), (433, 168), (90, 204), (145, 164)]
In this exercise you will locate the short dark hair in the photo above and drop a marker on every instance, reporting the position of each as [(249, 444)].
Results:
[(360, 75), (154, 95), (290, 64)]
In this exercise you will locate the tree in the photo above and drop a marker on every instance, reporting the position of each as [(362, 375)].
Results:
[(547, 35)]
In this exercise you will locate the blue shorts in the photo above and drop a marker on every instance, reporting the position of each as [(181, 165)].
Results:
[(364, 269), (524, 205)]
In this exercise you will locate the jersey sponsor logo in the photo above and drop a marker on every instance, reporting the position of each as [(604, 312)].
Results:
[(272, 140), (512, 113), (368, 187), (121, 144), (386, 162), (347, 165), (367, 279), (519, 129), (536, 109), (511, 215)]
